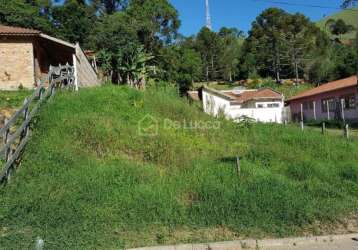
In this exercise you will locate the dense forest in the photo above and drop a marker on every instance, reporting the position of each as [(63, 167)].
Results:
[(138, 39)]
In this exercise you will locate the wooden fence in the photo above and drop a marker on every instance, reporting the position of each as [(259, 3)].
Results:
[(16, 131)]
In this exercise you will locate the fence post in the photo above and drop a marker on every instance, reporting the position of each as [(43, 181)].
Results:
[(26, 115), (6, 139), (7, 151), (346, 131), (52, 92), (302, 125), (323, 128), (238, 165)]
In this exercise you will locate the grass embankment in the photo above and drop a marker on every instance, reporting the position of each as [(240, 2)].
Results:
[(89, 180)]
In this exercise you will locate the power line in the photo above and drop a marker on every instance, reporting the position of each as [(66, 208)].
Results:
[(303, 5)]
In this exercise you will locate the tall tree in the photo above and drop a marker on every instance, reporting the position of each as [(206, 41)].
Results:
[(208, 45), (29, 14), (109, 6), (231, 40), (156, 22), (301, 39), (74, 21), (114, 38), (266, 40)]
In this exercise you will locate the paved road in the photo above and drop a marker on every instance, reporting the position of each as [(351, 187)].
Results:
[(344, 244), (333, 242)]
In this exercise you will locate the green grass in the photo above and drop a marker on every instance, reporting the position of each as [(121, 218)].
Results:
[(89, 180), (12, 99), (349, 16)]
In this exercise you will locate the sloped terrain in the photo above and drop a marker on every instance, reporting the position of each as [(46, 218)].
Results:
[(92, 178), (349, 16)]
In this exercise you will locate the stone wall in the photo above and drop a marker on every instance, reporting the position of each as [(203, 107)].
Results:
[(16, 65)]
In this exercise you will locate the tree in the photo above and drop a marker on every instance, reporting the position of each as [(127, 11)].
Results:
[(281, 43), (28, 14), (73, 21), (231, 40), (208, 45), (109, 6), (180, 63), (156, 22), (339, 27), (301, 39), (265, 41), (114, 37)]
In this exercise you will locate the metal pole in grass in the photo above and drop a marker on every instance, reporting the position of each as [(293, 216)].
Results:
[(346, 131), (238, 165), (301, 112), (302, 125), (323, 128), (342, 110)]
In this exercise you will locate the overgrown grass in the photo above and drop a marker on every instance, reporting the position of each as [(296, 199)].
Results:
[(89, 180), (12, 99)]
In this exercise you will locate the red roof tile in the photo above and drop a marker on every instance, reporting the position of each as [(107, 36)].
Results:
[(9, 30), (331, 86), (265, 93)]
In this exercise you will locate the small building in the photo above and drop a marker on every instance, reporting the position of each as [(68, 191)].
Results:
[(26, 56), (262, 105), (331, 101)]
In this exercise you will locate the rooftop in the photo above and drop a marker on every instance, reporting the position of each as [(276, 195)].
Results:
[(9, 30), (327, 87), (247, 95)]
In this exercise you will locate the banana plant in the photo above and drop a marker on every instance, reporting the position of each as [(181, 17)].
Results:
[(134, 67)]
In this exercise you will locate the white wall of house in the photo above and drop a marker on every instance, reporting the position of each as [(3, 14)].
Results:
[(269, 111), (213, 104), (258, 114)]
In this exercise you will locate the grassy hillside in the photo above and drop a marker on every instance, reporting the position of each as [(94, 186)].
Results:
[(349, 16), (90, 180)]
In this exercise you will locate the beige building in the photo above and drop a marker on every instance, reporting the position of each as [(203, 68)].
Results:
[(26, 55)]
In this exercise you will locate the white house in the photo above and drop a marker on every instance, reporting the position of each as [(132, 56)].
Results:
[(262, 105)]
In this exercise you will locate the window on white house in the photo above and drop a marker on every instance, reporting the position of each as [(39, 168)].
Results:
[(273, 105), (260, 106)]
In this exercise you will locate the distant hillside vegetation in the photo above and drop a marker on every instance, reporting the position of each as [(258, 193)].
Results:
[(350, 16)]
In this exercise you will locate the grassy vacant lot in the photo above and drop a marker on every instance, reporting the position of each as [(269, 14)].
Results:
[(89, 180)]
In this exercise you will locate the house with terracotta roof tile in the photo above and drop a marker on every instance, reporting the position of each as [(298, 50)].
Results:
[(26, 56), (335, 100), (261, 105)]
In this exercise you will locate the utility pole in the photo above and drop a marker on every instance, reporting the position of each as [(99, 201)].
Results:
[(208, 16)]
